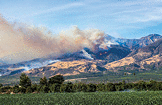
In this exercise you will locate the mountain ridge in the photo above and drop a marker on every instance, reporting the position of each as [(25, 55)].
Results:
[(117, 53)]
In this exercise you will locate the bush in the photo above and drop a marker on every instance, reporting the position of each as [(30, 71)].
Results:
[(110, 87), (141, 85), (56, 79), (84, 87), (69, 87), (63, 88), (100, 87), (28, 89), (24, 80), (43, 81), (44, 89), (5, 88), (1, 85), (8, 91), (77, 87), (119, 87), (55, 87), (16, 89), (34, 87), (22, 89), (91, 87)]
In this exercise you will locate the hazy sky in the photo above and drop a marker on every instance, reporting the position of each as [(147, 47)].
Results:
[(119, 18)]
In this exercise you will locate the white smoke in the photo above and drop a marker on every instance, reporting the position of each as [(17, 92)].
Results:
[(20, 42)]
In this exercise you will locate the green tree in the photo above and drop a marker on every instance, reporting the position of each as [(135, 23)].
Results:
[(77, 87), (29, 89), (91, 87), (55, 87), (39, 88), (110, 87), (34, 87), (56, 79), (66, 87), (24, 81), (22, 89), (140, 85), (43, 81), (1, 85), (151, 85), (63, 88), (130, 85), (45, 89), (16, 89), (5, 88), (69, 87), (84, 87), (100, 87), (119, 87)]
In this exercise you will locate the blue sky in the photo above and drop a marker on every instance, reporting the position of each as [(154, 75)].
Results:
[(119, 18)]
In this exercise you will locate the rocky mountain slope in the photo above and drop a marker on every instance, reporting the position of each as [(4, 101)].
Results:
[(67, 68), (134, 44), (112, 55), (146, 58)]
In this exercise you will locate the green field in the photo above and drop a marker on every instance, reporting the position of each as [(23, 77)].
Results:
[(94, 98)]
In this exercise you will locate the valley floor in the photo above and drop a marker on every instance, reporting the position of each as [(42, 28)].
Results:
[(81, 98)]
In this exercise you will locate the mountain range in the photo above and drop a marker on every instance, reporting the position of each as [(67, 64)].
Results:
[(114, 54)]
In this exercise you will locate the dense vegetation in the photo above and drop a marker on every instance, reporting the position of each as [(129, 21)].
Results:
[(57, 84), (56, 91), (154, 74), (82, 98)]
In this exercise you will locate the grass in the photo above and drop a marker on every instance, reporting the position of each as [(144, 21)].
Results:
[(95, 98)]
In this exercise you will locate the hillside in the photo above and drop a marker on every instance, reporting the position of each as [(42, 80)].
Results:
[(146, 58), (135, 44), (112, 58), (138, 60), (67, 68)]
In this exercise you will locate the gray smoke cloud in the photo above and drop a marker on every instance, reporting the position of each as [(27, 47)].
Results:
[(21, 42)]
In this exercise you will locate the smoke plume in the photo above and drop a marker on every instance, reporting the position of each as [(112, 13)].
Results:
[(20, 42)]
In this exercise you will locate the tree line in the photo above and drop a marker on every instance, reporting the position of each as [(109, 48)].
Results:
[(56, 84)]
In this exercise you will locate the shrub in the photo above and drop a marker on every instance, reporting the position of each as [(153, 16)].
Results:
[(1, 85), (84, 87), (22, 89), (100, 87), (110, 87), (34, 87), (63, 88), (43, 81), (5, 88), (77, 87), (28, 89), (24, 80), (69, 87), (91, 87), (55, 87), (44, 89), (56, 79), (16, 89)]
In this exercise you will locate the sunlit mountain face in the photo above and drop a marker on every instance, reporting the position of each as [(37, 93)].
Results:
[(108, 49)]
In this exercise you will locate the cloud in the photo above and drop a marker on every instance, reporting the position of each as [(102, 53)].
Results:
[(116, 16), (58, 8), (127, 11)]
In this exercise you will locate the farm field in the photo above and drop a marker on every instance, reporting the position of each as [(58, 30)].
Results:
[(84, 98)]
